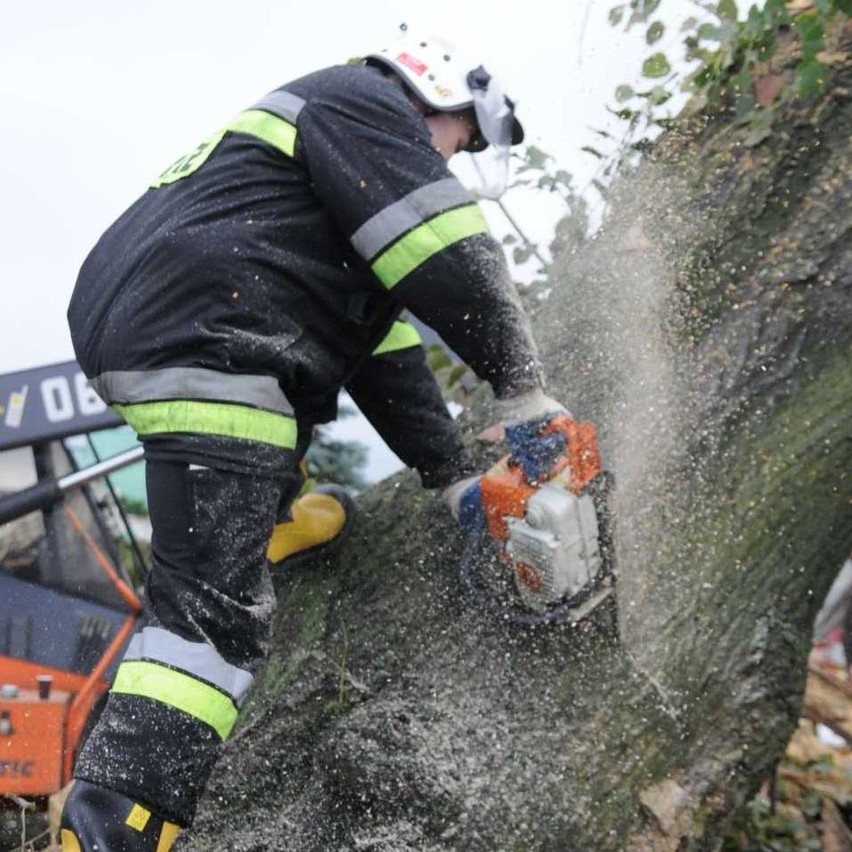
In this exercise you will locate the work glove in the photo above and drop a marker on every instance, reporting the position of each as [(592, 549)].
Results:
[(465, 502), (530, 405)]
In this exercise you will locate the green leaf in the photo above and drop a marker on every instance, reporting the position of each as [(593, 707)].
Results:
[(624, 93), (437, 358), (563, 177), (655, 32), (658, 95), (812, 33), (649, 7), (689, 24), (727, 10), (593, 151), (656, 65), (744, 105), (624, 114), (616, 13), (755, 22), (536, 157), (509, 239), (811, 78), (521, 254), (709, 32), (844, 6), (456, 374)]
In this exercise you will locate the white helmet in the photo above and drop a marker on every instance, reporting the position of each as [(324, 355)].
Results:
[(445, 81)]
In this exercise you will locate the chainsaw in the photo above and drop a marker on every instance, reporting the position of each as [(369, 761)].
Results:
[(543, 511)]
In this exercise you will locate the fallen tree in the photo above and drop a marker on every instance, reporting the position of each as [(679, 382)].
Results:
[(707, 331)]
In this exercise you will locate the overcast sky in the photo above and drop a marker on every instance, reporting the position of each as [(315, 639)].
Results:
[(98, 96)]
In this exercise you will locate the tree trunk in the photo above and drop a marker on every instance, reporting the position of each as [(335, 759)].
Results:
[(707, 332)]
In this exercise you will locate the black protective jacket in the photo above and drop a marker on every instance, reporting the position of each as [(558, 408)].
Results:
[(282, 249)]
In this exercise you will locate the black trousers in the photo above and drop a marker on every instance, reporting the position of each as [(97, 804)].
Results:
[(210, 598)]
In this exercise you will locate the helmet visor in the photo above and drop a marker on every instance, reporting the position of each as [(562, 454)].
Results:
[(498, 130), (495, 113)]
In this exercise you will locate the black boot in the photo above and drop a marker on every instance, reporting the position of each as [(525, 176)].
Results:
[(96, 819)]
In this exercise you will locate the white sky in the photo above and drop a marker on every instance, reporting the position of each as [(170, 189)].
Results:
[(98, 96)]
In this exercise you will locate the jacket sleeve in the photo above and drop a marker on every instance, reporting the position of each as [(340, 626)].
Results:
[(397, 392), (371, 163)]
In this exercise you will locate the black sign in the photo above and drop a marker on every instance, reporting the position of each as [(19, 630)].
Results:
[(47, 403)]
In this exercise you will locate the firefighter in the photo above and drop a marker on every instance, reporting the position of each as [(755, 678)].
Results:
[(220, 315)]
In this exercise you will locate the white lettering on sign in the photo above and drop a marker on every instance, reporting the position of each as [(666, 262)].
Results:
[(56, 396), (59, 402)]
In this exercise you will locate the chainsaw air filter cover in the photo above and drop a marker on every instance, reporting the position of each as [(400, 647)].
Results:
[(554, 549)]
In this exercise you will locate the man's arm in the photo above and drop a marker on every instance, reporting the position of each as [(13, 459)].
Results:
[(397, 392), (372, 164)]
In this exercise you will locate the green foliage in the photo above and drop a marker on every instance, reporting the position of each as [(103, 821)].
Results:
[(764, 827), (729, 53), (537, 168), (341, 462), (457, 381), (134, 506), (656, 65)]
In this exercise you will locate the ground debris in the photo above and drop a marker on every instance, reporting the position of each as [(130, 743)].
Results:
[(808, 804)]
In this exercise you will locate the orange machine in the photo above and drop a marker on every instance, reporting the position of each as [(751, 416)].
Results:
[(44, 711), (67, 604)]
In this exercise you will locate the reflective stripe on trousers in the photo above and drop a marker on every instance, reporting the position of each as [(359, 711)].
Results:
[(209, 608), (189, 676)]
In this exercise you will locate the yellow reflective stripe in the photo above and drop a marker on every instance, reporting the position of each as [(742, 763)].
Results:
[(138, 817), (403, 335), (190, 162), (69, 841), (210, 418), (168, 836), (178, 690), (417, 246), (270, 128)]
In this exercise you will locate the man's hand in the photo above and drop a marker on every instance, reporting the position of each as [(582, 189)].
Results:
[(465, 502), (531, 405)]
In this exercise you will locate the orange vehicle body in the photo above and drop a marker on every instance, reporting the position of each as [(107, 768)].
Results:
[(39, 736), (40, 732)]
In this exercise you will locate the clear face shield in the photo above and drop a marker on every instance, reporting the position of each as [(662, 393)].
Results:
[(498, 131)]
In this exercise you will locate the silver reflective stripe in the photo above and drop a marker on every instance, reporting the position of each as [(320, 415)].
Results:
[(407, 213), (131, 386), (282, 104), (195, 658)]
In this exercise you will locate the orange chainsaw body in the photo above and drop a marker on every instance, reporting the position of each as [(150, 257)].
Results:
[(505, 490)]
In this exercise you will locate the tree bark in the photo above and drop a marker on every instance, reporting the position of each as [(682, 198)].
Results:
[(707, 332)]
